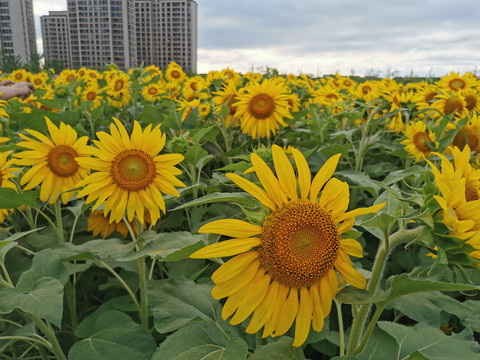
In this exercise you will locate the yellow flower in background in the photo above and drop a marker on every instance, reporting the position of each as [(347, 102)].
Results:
[(287, 269), (152, 92), (174, 73), (66, 77), (118, 84), (54, 161), (91, 93), (469, 135), (129, 174), (459, 184), (450, 104), (120, 100), (98, 223), (7, 173), (19, 75), (455, 82), (263, 108), (40, 80), (417, 143), (227, 96)]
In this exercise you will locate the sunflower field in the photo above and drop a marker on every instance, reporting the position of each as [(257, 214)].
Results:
[(152, 214)]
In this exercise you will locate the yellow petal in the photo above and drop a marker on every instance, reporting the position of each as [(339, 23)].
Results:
[(226, 248), (304, 318), (233, 266), (231, 227), (255, 294), (304, 175), (335, 198), (228, 288), (268, 180), (351, 247), (254, 190), (285, 173), (264, 311), (323, 175), (289, 312), (277, 306), (317, 311), (344, 266)]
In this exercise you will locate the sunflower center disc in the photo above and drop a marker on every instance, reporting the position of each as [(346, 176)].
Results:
[(175, 74), (119, 85), (61, 160), (91, 96), (262, 106), (457, 84), (453, 105), (133, 170), (420, 139), (299, 244)]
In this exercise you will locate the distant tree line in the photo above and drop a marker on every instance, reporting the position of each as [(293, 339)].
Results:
[(9, 63)]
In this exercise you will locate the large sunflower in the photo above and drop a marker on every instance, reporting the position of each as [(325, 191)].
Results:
[(418, 141), (459, 185), (7, 173), (286, 269), (54, 161), (130, 175), (262, 108)]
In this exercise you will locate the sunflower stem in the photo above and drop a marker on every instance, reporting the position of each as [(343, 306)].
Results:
[(143, 292), (58, 216), (340, 328), (47, 330), (401, 236)]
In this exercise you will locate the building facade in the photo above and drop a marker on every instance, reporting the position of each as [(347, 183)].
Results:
[(167, 31), (125, 32), (56, 37), (102, 32), (17, 29)]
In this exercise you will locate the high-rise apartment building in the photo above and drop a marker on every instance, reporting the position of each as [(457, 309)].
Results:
[(17, 29), (56, 37), (102, 32), (167, 31), (126, 32)]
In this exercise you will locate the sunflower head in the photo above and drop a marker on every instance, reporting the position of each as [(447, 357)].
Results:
[(287, 268)]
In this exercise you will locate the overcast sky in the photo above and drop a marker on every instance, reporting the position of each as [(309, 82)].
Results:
[(321, 37)]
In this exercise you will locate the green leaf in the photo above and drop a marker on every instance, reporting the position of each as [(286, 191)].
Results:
[(9, 199), (238, 198), (112, 335), (176, 302), (178, 245), (359, 180), (188, 343), (396, 176), (45, 263), (43, 298), (402, 284), (103, 249), (430, 342), (380, 346), (282, 349), (353, 295), (433, 308)]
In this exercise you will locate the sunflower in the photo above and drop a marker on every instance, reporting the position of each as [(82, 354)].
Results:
[(18, 75), (66, 77), (472, 100), (450, 104), (367, 90), (54, 159), (262, 108), (7, 172), (152, 92), (40, 80), (120, 100), (91, 93), (459, 184), (129, 172), (227, 96), (99, 224), (455, 82), (469, 134), (418, 141), (287, 269), (118, 85), (174, 73)]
